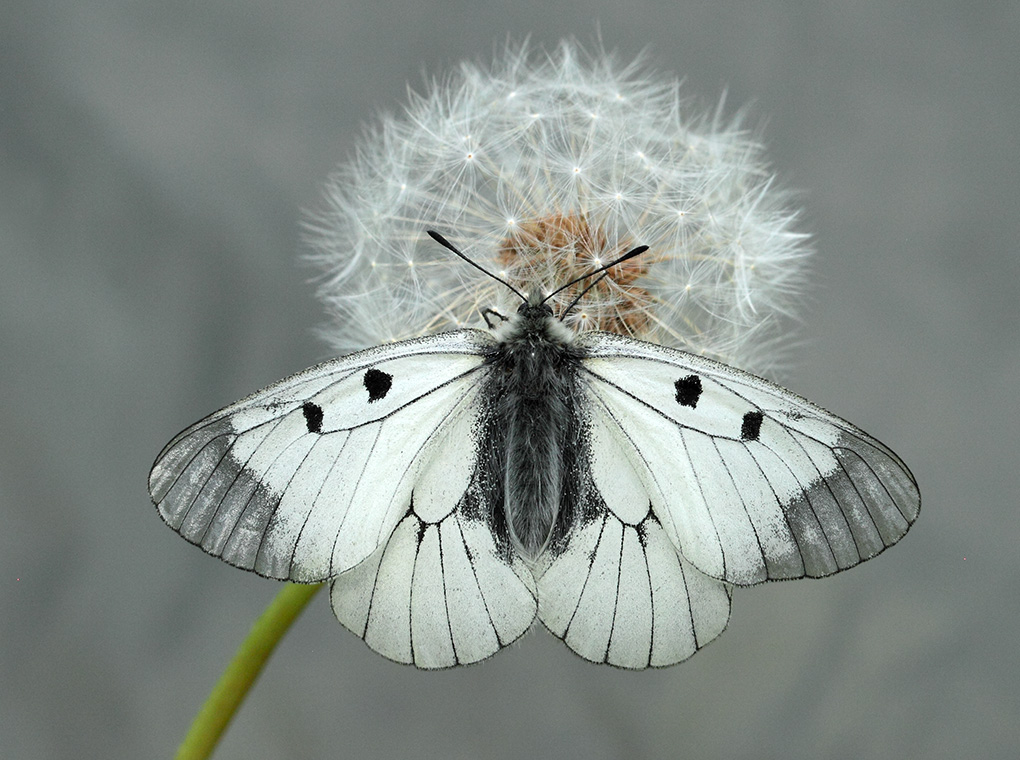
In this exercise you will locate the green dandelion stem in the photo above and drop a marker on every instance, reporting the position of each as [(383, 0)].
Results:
[(214, 717)]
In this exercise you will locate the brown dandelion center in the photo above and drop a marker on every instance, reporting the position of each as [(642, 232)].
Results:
[(561, 247)]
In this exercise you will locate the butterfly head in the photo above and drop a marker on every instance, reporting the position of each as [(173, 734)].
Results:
[(535, 305), (534, 321)]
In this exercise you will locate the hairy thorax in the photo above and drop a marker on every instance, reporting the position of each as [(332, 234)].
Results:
[(534, 425)]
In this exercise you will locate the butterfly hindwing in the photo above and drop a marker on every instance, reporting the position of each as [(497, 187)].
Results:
[(621, 594), (269, 483), (437, 594), (748, 480)]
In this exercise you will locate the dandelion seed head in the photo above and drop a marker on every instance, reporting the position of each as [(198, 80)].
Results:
[(540, 168)]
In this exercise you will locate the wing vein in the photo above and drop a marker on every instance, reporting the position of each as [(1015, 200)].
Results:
[(643, 543), (248, 501), (878, 480), (312, 508), (805, 490), (446, 596), (616, 597), (779, 503), (743, 502), (704, 498), (354, 490), (587, 576)]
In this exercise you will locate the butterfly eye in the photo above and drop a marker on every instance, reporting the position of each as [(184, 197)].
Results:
[(542, 309)]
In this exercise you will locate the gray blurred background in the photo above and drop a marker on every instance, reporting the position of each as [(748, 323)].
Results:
[(154, 161)]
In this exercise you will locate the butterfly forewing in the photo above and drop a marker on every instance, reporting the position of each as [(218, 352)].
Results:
[(750, 482), (268, 483)]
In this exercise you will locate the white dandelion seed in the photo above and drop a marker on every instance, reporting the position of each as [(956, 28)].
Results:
[(572, 159)]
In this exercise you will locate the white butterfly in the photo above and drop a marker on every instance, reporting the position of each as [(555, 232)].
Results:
[(454, 487)]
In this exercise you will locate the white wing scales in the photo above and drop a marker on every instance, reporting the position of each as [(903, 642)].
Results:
[(749, 481)]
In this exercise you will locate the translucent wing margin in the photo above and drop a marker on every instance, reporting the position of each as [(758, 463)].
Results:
[(307, 478), (748, 480)]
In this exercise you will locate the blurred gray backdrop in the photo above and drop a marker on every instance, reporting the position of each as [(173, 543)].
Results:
[(154, 161)]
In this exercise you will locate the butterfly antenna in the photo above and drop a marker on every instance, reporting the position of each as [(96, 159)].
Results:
[(447, 244), (603, 271)]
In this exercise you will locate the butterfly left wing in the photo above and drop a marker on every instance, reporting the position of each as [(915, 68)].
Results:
[(361, 470), (308, 477), (749, 481), (443, 589)]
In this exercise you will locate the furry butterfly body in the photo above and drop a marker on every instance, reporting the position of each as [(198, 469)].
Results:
[(455, 487)]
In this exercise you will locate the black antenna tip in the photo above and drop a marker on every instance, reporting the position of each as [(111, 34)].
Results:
[(629, 255), (602, 272), (441, 240), (447, 244)]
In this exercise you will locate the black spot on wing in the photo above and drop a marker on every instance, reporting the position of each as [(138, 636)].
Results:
[(688, 391), (313, 416), (377, 383), (751, 426)]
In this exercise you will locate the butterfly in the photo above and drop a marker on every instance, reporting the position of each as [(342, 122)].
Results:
[(453, 488)]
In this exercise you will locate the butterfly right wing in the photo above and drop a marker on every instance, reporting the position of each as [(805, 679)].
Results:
[(702, 476), (751, 481)]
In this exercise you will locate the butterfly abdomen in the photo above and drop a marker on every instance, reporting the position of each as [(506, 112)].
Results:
[(534, 429)]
